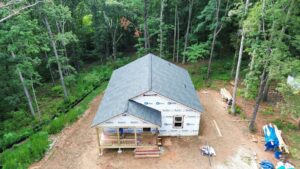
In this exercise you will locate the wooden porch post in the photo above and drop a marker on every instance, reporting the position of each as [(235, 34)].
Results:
[(118, 134), (99, 143), (135, 136)]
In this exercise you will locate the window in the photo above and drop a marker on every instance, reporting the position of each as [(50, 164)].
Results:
[(178, 122)]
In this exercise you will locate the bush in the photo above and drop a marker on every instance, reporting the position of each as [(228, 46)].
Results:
[(284, 125), (14, 137), (57, 90), (21, 156), (268, 111), (238, 110), (56, 125)]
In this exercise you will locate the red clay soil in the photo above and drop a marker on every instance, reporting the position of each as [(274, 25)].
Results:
[(76, 146)]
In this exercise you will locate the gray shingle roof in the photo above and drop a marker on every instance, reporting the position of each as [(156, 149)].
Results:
[(144, 112), (148, 73)]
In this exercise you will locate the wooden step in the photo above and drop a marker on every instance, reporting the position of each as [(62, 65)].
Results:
[(147, 156), (145, 152), (147, 149), (153, 152)]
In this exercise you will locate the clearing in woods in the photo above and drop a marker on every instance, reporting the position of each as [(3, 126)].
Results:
[(76, 146)]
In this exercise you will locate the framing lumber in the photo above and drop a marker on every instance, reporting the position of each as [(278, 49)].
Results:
[(217, 127)]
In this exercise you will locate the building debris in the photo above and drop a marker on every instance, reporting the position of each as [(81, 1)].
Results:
[(266, 164), (226, 96), (208, 150), (273, 138), (287, 165), (217, 127)]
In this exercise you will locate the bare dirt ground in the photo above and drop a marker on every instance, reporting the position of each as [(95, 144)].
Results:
[(76, 146)]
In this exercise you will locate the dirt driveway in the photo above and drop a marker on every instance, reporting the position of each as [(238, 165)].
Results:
[(76, 146)]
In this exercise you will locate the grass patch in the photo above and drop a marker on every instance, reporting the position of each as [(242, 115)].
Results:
[(294, 138), (220, 71), (238, 111), (60, 122), (21, 156), (268, 111), (53, 107), (284, 125)]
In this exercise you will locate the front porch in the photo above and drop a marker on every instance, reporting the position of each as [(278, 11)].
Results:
[(119, 138)]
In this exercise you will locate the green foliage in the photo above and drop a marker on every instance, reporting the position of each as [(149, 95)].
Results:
[(13, 137), (21, 156), (238, 111), (196, 52), (243, 115), (268, 111), (57, 90), (284, 125), (56, 125)]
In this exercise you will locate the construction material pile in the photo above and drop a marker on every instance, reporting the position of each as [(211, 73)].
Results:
[(281, 165), (208, 150), (273, 139), (265, 164), (226, 96)]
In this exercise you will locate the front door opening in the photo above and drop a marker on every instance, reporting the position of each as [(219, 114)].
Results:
[(146, 129)]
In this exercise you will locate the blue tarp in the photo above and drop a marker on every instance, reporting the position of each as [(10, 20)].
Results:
[(265, 164), (271, 140)]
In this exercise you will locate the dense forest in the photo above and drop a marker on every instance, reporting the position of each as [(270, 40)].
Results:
[(55, 55)]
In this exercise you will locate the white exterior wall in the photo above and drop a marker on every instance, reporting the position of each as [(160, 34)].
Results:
[(169, 109), (128, 122)]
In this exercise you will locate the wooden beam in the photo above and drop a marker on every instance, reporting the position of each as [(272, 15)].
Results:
[(135, 136), (118, 134), (98, 138)]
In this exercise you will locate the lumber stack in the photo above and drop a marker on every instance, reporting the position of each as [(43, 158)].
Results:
[(226, 96), (146, 152), (282, 146)]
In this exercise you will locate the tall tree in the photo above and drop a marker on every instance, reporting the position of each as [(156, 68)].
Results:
[(53, 44), (162, 6), (186, 37), (146, 33), (237, 74), (277, 53), (20, 38), (175, 32), (217, 29)]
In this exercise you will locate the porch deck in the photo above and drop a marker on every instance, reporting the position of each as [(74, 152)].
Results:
[(126, 140)]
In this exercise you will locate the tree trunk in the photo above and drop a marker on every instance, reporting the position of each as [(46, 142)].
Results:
[(106, 49), (263, 81), (178, 39), (28, 97), (239, 63), (114, 46), (146, 37), (53, 44), (266, 91), (234, 60), (50, 70), (160, 27), (237, 74), (264, 78), (187, 31), (35, 99), (214, 39), (175, 32)]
